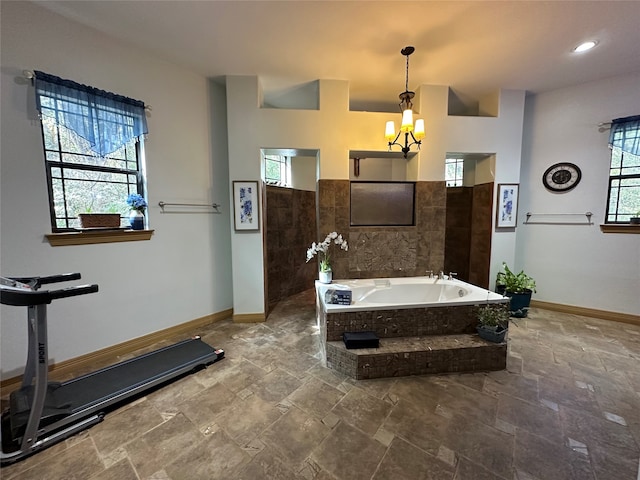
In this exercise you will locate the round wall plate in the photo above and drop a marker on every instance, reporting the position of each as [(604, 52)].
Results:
[(561, 177)]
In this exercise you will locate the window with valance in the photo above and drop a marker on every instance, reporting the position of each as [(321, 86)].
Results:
[(93, 145)]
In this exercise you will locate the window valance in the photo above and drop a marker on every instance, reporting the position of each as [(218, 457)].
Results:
[(625, 134), (106, 120)]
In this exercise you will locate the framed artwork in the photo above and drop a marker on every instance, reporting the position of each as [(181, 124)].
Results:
[(507, 205), (246, 209)]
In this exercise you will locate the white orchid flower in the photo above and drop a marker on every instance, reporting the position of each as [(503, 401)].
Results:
[(323, 248)]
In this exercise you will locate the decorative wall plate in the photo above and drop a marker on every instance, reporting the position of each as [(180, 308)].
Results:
[(561, 177)]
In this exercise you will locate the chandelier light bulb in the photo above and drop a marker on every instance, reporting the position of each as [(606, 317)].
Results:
[(407, 121), (390, 131), (418, 131)]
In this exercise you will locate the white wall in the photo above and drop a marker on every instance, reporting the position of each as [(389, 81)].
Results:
[(500, 135), (303, 173), (333, 130), (577, 264), (379, 169), (184, 271)]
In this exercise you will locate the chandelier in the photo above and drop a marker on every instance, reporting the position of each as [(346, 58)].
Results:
[(413, 134)]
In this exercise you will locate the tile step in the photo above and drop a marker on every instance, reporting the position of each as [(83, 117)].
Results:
[(402, 356)]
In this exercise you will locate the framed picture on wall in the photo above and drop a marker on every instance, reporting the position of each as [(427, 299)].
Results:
[(246, 209), (507, 205)]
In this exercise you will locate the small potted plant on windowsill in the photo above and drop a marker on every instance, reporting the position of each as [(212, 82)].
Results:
[(518, 287), (636, 219), (493, 322)]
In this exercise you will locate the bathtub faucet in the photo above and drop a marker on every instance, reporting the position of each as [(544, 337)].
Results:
[(452, 274), (430, 272), (441, 275)]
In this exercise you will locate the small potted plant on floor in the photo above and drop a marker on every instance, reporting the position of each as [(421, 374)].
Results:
[(518, 287), (493, 322)]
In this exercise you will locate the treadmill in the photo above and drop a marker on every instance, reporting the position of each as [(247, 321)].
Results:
[(42, 413)]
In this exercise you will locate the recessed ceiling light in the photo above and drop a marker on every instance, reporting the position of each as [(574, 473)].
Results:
[(583, 47)]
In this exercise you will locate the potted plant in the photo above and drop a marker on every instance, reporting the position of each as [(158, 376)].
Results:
[(636, 219), (322, 250), (493, 322), (518, 287)]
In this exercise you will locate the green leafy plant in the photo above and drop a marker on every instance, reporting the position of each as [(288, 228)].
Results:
[(515, 283), (493, 315)]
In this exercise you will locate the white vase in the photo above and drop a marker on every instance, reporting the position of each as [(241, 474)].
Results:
[(325, 277), (136, 219)]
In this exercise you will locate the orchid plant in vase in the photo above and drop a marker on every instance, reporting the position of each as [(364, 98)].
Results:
[(322, 250)]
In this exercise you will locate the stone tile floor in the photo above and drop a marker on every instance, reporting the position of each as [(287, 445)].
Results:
[(567, 407)]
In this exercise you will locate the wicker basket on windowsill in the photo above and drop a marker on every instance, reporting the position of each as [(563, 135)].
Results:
[(99, 220)]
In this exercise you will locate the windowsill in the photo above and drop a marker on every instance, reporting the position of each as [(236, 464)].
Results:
[(88, 238), (620, 228)]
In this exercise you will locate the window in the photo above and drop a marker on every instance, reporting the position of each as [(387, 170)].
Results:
[(93, 149), (277, 170), (624, 175), (383, 203), (454, 168)]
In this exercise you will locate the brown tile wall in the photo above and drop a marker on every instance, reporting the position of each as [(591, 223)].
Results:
[(481, 224), (458, 231), (290, 229), (468, 233), (376, 252)]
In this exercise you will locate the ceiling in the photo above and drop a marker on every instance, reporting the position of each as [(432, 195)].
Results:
[(475, 47)]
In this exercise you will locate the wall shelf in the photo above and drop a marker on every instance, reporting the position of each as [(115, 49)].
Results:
[(559, 218)]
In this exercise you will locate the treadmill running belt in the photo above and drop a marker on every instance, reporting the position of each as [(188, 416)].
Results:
[(117, 379)]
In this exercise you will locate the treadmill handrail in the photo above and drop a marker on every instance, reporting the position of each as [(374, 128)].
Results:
[(25, 298), (36, 282)]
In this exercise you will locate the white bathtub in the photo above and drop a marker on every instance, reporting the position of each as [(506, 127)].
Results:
[(407, 292)]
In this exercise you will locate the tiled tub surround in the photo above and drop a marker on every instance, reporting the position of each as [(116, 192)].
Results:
[(416, 338)]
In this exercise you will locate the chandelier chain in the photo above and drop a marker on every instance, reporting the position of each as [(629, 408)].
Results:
[(406, 82)]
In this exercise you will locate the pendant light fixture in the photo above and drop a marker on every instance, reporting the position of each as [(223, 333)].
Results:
[(413, 134)]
